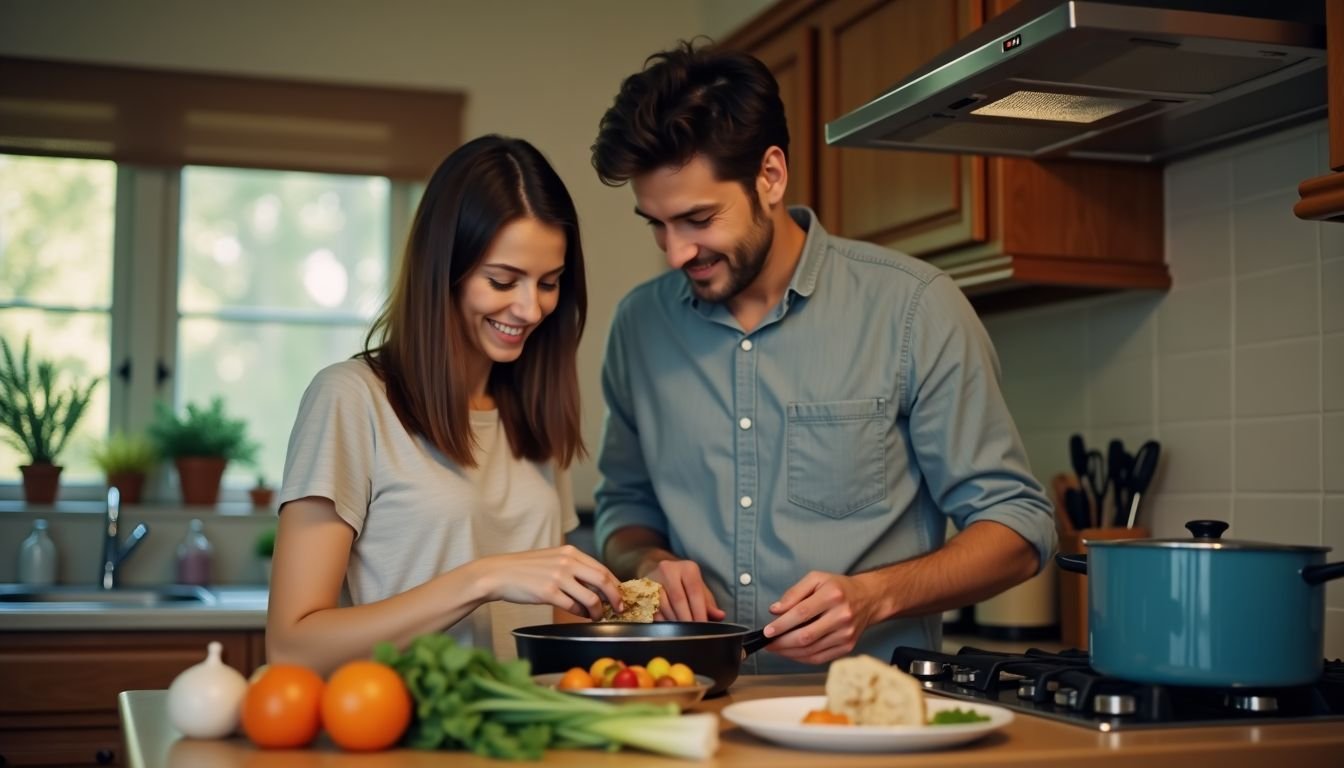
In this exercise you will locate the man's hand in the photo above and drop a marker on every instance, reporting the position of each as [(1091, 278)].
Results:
[(685, 596), (835, 609)]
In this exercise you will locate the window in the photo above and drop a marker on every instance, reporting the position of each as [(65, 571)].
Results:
[(185, 284), (56, 230)]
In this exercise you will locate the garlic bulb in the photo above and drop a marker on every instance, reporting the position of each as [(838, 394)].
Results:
[(203, 700)]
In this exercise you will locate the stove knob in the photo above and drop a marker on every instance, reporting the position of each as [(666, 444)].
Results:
[(1113, 704), (924, 668)]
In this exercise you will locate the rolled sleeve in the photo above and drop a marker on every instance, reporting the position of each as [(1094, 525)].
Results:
[(625, 495), (962, 434)]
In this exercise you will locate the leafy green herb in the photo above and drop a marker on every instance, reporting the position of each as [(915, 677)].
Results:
[(467, 699), (957, 716)]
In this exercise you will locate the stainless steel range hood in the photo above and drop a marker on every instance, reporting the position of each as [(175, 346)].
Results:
[(1127, 80)]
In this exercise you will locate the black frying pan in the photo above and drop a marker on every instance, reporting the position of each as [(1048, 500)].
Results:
[(711, 649)]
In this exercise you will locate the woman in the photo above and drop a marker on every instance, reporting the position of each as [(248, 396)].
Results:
[(426, 478)]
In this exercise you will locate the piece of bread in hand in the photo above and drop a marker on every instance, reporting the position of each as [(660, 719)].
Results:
[(872, 693), (641, 602)]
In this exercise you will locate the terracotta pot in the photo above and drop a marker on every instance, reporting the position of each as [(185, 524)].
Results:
[(40, 483), (199, 477), (261, 497), (131, 485)]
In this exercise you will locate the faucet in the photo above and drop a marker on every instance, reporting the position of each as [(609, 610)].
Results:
[(114, 553)]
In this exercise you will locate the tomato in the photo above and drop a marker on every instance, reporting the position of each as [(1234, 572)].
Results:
[(665, 681), (658, 667), (595, 671), (642, 675), (366, 706), (576, 677), (281, 710), (609, 673), (626, 678), (682, 674)]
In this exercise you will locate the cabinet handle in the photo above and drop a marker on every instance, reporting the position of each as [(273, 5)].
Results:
[(104, 756)]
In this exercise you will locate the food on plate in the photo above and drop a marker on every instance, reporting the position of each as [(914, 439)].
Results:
[(282, 708), (641, 602), (607, 672), (825, 717), (365, 706), (958, 716), (870, 692)]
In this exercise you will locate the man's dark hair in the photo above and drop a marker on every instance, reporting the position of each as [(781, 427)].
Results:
[(724, 105)]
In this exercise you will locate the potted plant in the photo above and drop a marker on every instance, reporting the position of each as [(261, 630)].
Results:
[(201, 442), (265, 548), (126, 460), (37, 418), (261, 493)]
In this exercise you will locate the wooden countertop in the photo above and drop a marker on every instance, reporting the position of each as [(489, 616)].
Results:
[(1029, 741)]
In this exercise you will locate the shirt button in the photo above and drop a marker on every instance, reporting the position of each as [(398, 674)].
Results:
[(745, 501), (744, 423), (744, 579), (746, 345)]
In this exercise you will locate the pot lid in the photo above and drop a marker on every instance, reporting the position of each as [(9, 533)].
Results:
[(1207, 535)]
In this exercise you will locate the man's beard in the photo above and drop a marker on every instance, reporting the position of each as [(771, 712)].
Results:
[(744, 264)]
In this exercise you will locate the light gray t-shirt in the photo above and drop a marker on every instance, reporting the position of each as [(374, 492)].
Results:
[(416, 513)]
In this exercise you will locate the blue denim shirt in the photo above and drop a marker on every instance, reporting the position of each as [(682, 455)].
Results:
[(839, 435)]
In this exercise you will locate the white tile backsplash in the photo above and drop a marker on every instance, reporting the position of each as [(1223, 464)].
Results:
[(1196, 318), (1278, 165), (1238, 370), (1279, 454), (1276, 519), (1266, 234), (1277, 305), (1206, 240), (1195, 387), (1264, 390)]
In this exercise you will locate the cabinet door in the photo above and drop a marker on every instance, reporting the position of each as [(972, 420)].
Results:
[(791, 57), (920, 203)]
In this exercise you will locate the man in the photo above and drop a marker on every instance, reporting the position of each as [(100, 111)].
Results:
[(792, 416)]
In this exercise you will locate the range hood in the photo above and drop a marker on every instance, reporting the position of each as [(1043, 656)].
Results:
[(1127, 80)]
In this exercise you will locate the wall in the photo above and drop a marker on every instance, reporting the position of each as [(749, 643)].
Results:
[(544, 71), (1238, 371), (720, 17)]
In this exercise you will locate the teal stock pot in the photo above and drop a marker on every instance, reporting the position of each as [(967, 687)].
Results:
[(1205, 611)]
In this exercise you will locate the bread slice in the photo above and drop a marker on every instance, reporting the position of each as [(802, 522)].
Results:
[(872, 693), (641, 601)]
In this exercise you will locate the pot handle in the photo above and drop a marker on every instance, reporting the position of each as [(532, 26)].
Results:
[(1207, 529), (1319, 574), (754, 641), (1072, 563)]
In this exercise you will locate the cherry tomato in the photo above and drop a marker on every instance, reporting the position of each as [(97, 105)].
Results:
[(626, 678), (665, 681), (576, 677)]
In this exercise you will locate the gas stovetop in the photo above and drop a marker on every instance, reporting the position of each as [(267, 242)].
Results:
[(1062, 686)]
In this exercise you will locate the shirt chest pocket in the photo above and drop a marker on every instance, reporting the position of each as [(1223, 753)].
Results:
[(837, 459)]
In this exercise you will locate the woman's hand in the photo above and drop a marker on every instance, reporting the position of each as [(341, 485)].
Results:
[(562, 576)]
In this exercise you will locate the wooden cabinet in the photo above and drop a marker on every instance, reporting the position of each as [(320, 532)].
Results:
[(1323, 196), (59, 705), (1010, 231)]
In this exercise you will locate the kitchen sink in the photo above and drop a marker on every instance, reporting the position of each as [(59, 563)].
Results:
[(73, 597)]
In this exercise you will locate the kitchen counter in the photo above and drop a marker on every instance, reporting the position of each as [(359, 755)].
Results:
[(234, 608), (1029, 741)]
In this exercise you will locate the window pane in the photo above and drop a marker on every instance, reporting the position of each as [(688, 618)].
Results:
[(56, 231), (283, 240), (261, 371), (63, 338)]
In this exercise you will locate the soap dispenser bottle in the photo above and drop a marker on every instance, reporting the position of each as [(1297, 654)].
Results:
[(193, 557), (37, 557)]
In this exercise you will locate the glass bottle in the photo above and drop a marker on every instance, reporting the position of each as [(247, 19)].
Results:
[(193, 557), (37, 557)]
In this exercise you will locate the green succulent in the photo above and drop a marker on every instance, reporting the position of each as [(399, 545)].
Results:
[(201, 432), (121, 452), (37, 418)]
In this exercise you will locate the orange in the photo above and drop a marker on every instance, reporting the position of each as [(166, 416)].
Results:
[(366, 706), (281, 708)]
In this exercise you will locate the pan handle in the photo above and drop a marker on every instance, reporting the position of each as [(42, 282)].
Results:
[(754, 641), (1319, 574), (1072, 563)]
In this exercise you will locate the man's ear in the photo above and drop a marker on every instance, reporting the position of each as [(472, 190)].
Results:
[(773, 179)]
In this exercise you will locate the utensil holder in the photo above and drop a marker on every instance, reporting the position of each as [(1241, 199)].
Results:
[(1073, 586)]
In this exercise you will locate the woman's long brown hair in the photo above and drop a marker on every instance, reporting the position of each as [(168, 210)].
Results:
[(419, 346)]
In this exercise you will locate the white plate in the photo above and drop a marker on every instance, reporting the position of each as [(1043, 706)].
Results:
[(781, 720)]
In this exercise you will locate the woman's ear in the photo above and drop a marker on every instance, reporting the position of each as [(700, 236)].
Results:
[(773, 180)]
